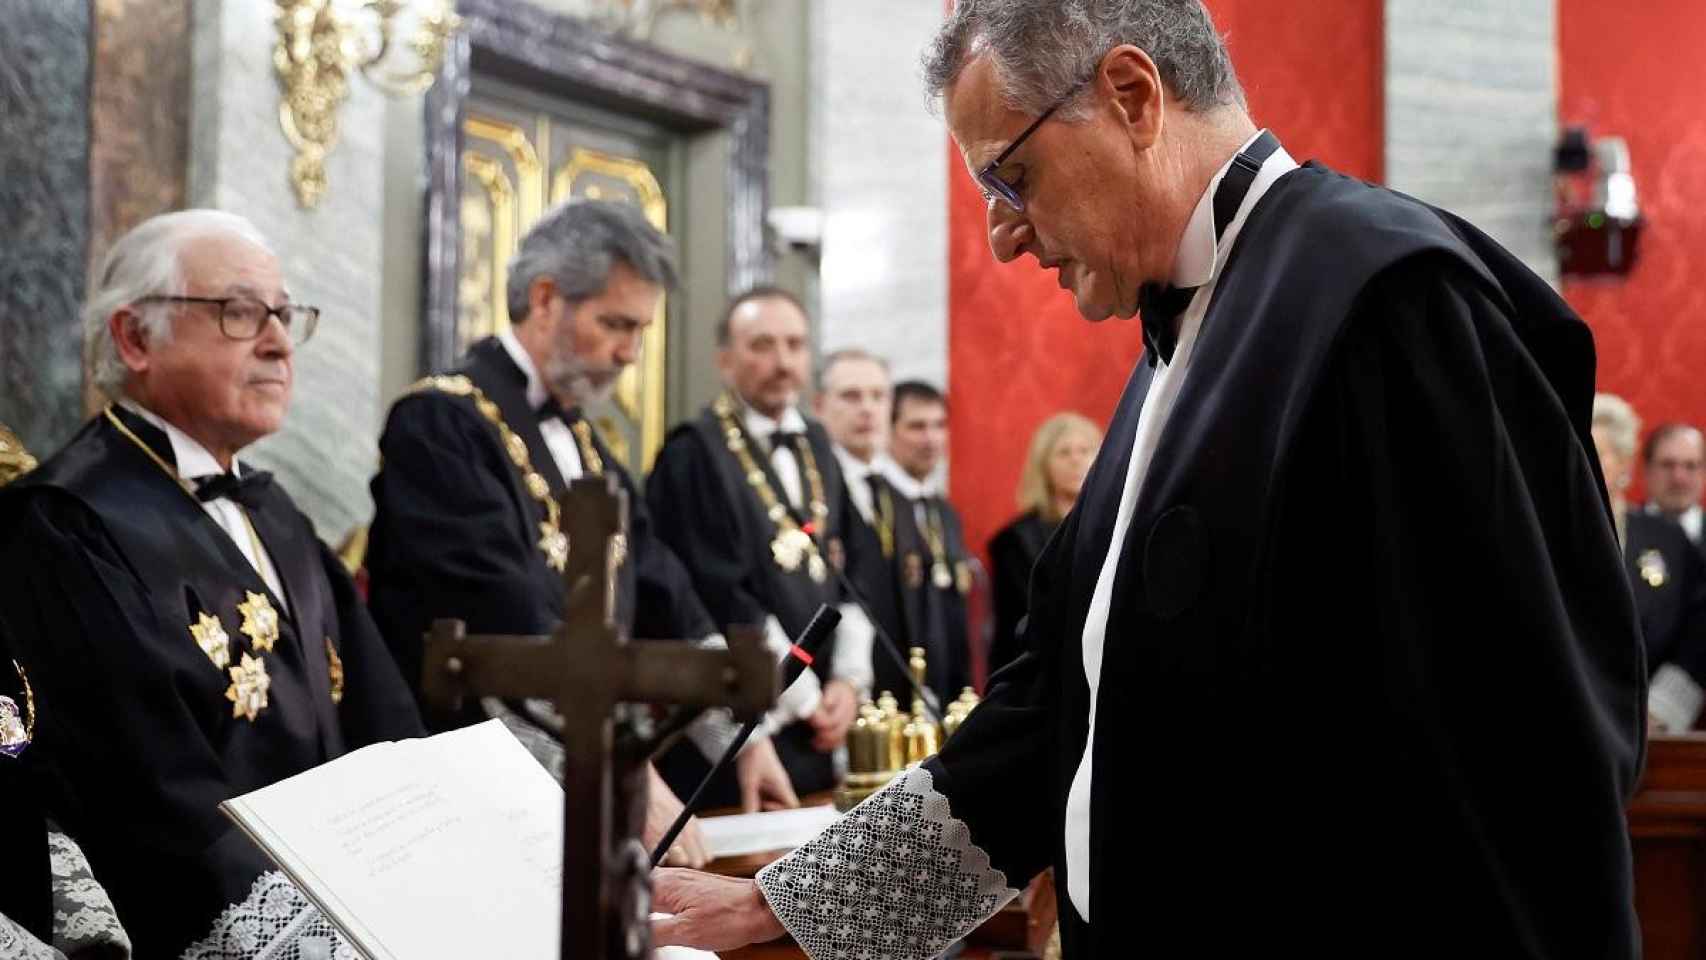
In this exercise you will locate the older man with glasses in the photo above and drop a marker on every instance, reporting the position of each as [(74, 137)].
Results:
[(1334, 655), (186, 636)]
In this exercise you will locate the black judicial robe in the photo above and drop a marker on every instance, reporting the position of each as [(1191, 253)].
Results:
[(706, 512), (1670, 594), (1012, 552), (108, 563), (939, 612), (879, 580), (455, 533), (1372, 546)]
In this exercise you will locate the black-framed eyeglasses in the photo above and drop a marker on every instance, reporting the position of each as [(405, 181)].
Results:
[(244, 318), (994, 188)]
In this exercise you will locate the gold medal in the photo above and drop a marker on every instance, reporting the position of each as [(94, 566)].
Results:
[(941, 576), (554, 543), (790, 548), (1651, 564), (260, 621), (209, 634), (248, 690), (335, 671), (17, 731)]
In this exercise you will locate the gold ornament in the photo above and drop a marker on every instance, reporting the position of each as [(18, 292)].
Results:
[(209, 634), (792, 547), (335, 671), (248, 690), (941, 576), (1651, 565), (554, 543), (260, 621)]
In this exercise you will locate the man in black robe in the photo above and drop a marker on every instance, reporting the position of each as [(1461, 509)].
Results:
[(187, 637), (1335, 655), (854, 397), (938, 585), (1666, 572), (751, 497), (463, 527)]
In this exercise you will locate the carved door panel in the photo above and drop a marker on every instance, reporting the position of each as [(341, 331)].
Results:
[(523, 154)]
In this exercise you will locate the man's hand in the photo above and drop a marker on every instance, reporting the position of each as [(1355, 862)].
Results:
[(662, 808), (834, 714), (710, 912), (764, 783)]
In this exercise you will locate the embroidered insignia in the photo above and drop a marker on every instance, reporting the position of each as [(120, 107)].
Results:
[(260, 621), (16, 732), (248, 690), (335, 670), (914, 571), (209, 634), (554, 543), (1651, 565)]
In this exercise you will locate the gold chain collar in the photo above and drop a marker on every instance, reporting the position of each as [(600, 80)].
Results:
[(791, 546), (553, 543)]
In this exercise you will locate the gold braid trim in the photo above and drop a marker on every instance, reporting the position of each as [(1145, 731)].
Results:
[(553, 543), (792, 545)]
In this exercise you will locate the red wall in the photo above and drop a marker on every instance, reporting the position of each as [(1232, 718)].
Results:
[(1637, 70), (1017, 350)]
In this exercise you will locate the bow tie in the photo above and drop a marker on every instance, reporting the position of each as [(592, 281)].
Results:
[(786, 440), (1161, 307), (247, 490), (550, 410)]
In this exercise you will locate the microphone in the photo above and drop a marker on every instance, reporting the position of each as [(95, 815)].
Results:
[(799, 657), (890, 645)]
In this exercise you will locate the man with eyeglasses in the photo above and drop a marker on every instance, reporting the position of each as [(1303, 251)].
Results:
[(1674, 461), (185, 635), (1335, 655)]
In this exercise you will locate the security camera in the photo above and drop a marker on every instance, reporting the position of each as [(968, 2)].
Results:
[(797, 228)]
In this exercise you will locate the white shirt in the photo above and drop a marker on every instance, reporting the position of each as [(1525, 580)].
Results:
[(857, 474), (1691, 519), (787, 466), (194, 462), (1198, 264), (912, 489), (559, 439)]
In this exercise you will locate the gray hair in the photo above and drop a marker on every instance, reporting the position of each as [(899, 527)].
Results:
[(578, 243), (1041, 49), (846, 355), (146, 262), (1617, 418)]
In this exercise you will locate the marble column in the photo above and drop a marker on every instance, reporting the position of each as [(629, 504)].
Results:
[(44, 205), (1472, 114), (332, 255), (879, 173)]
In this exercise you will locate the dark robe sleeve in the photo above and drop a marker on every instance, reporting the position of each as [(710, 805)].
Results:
[(445, 540), (120, 758), (695, 516), (377, 705), (1471, 623), (1010, 574), (1690, 648)]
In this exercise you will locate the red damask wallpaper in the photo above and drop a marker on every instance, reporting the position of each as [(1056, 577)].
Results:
[(1651, 326), (1018, 351)]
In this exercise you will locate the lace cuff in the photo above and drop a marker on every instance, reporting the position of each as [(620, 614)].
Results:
[(84, 921), (275, 922), (17, 944), (898, 877)]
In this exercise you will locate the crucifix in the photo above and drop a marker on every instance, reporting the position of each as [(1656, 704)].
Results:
[(602, 683)]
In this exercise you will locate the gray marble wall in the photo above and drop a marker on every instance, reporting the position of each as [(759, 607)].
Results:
[(332, 255), (880, 175), (44, 210), (1472, 114)]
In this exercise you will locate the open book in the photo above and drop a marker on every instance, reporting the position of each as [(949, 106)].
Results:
[(449, 846)]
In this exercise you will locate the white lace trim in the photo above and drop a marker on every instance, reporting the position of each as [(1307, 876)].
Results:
[(275, 922), (83, 914), (897, 878), (17, 944)]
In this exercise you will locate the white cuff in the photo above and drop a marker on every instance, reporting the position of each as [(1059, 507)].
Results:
[(1674, 699), (273, 922), (855, 644)]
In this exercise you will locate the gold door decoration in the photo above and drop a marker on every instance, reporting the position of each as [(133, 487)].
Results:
[(503, 194)]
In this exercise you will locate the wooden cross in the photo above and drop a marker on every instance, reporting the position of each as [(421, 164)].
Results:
[(597, 676)]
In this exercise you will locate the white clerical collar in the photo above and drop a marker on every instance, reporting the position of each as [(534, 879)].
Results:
[(853, 468), (760, 426), (536, 392), (904, 483), (191, 458), (1201, 254)]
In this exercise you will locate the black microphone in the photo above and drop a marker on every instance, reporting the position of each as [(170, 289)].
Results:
[(799, 657), (890, 645)]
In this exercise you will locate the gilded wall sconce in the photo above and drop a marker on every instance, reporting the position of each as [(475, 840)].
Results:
[(319, 44)]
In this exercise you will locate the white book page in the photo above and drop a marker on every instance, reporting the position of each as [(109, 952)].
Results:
[(442, 847), (744, 833)]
